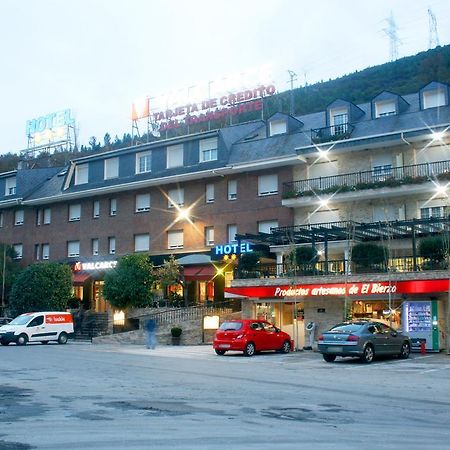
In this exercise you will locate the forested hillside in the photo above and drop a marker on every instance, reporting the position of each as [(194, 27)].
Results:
[(403, 76)]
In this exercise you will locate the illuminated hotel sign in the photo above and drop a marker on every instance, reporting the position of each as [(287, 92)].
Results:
[(50, 122), (221, 251), (97, 265)]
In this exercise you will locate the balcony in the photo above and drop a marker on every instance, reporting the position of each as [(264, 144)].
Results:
[(383, 176), (331, 134), (339, 267)]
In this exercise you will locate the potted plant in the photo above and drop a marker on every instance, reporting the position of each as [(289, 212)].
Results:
[(176, 335)]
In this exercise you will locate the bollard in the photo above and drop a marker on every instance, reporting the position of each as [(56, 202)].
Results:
[(422, 348)]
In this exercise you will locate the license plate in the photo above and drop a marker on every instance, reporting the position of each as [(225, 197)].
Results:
[(335, 349), (224, 345)]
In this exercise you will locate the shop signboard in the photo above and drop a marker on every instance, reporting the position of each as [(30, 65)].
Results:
[(341, 289), (229, 249), (93, 265)]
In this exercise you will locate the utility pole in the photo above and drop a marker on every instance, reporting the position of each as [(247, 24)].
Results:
[(3, 279), (293, 77)]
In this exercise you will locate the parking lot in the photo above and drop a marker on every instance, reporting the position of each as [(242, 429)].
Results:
[(118, 396)]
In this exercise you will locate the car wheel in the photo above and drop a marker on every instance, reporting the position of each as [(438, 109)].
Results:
[(44, 342), (249, 349), (405, 351), (220, 352), (329, 358), (368, 354), (286, 347), (22, 339), (62, 338)]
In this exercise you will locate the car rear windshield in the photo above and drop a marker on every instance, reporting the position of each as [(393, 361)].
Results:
[(231, 326), (346, 328)]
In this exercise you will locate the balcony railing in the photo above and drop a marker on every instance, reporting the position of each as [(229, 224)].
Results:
[(333, 133), (385, 176), (339, 267)]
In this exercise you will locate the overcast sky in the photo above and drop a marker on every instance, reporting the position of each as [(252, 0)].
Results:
[(96, 56)]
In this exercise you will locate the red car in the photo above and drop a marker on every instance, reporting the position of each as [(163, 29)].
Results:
[(250, 336)]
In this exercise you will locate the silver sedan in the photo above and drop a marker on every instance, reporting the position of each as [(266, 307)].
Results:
[(363, 339)]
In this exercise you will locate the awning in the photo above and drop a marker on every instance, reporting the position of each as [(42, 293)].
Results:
[(79, 278), (199, 272)]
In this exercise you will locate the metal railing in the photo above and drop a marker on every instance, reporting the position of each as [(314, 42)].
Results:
[(339, 267), (179, 315), (332, 133), (369, 179)]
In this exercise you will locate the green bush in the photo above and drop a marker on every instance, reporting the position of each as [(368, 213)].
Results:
[(433, 248), (176, 331), (366, 254)]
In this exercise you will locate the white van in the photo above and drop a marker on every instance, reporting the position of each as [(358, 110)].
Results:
[(38, 327)]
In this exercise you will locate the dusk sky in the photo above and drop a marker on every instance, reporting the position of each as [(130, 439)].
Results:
[(96, 56)]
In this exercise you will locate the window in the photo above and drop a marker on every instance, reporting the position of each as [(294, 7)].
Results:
[(73, 249), (277, 127), (45, 251), (74, 212), (18, 249), (209, 236), (111, 168), (175, 239), (339, 121), (96, 209), (47, 216), (385, 108), (37, 252), (434, 211), (142, 202), (81, 174), (39, 320), (381, 173), (18, 217), (10, 186), (232, 190), (38, 217), (94, 246), (267, 184), (143, 162), (175, 197), (112, 245), (209, 194), (1, 219), (433, 99), (265, 226), (175, 156), (112, 207), (208, 150), (231, 232), (141, 242)]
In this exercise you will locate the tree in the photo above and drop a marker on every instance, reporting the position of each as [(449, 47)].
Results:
[(131, 283), (366, 254), (41, 287), (11, 270), (435, 249), (169, 274), (107, 140)]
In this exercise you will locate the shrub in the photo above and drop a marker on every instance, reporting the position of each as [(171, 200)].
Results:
[(366, 254), (176, 331), (433, 248)]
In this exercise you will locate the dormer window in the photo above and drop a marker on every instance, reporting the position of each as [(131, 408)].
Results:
[(81, 174), (385, 108), (277, 127), (339, 121), (10, 186), (433, 98)]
